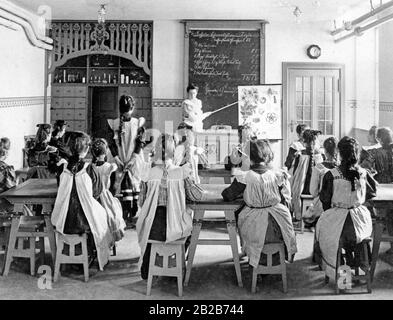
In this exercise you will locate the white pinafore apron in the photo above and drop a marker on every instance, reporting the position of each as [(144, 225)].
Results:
[(95, 214)]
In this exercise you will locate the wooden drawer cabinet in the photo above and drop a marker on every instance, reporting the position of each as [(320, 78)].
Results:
[(69, 103), (57, 91), (68, 91), (68, 114), (80, 91), (56, 114), (80, 114), (80, 103), (57, 103), (80, 126)]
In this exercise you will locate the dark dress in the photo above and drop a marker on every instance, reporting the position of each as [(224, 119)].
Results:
[(63, 152), (76, 222), (7, 181), (38, 158)]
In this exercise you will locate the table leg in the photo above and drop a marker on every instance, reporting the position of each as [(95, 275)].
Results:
[(51, 238), (378, 228), (227, 180), (231, 227), (196, 229), (11, 245)]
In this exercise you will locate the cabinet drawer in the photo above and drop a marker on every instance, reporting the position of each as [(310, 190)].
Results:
[(69, 103), (71, 125), (80, 114), (80, 91), (68, 114), (57, 91), (80, 126), (56, 114), (57, 103), (80, 103), (124, 90), (68, 91)]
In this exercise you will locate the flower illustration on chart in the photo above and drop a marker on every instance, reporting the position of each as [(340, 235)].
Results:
[(271, 117), (249, 102)]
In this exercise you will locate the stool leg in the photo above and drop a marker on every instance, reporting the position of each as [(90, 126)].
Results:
[(11, 245), (179, 267), (151, 266), (41, 242), (60, 246), (368, 275), (231, 227), (254, 280), (51, 237), (338, 263), (85, 258), (196, 229), (32, 255), (283, 270)]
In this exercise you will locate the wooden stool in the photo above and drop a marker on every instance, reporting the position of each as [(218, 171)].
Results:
[(72, 240), (366, 276), (23, 227), (167, 250), (306, 202), (269, 249)]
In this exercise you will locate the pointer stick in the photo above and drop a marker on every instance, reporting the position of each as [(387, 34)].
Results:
[(227, 106)]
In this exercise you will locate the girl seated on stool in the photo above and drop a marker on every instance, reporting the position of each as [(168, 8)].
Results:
[(344, 191), (76, 209), (164, 186), (238, 158), (315, 210), (304, 161), (57, 141), (38, 157), (111, 204), (7, 176), (265, 217)]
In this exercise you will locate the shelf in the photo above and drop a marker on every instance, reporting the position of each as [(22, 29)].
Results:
[(100, 68), (69, 84)]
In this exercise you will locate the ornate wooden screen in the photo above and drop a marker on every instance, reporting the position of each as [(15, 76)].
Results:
[(128, 40)]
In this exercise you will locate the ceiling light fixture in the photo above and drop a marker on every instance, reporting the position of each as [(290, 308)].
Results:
[(101, 14)]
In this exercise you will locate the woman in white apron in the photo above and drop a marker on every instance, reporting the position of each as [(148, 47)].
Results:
[(344, 191), (76, 209), (122, 144), (265, 217), (296, 146), (164, 215)]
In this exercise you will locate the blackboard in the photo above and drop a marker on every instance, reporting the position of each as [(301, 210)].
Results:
[(219, 62)]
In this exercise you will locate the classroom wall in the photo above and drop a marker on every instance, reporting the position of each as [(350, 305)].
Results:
[(386, 75), (285, 42), (21, 90)]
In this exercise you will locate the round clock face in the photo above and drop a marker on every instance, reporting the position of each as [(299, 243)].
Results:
[(314, 52)]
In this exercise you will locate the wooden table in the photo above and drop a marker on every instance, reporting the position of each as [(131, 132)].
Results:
[(383, 201), (215, 172), (212, 201), (33, 191)]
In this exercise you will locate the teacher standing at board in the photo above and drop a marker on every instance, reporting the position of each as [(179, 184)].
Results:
[(193, 115)]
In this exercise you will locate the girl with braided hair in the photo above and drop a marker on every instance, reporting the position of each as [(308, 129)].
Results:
[(124, 131), (165, 187), (318, 171), (303, 164), (381, 162), (345, 219), (99, 150)]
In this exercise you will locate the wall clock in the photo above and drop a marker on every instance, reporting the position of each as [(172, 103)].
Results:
[(314, 51)]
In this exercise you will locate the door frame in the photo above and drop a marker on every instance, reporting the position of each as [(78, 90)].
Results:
[(286, 67)]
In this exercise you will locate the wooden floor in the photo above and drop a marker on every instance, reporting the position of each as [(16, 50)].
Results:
[(213, 277)]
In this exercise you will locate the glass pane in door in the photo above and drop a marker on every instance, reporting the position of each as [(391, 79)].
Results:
[(324, 100), (303, 100)]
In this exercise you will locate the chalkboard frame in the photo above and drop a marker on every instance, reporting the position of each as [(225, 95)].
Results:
[(247, 25)]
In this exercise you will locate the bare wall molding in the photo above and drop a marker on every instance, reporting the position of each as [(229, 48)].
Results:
[(17, 102), (386, 106)]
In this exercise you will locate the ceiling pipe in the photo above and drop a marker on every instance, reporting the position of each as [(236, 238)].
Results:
[(28, 30), (359, 30), (369, 15), (10, 25), (25, 15)]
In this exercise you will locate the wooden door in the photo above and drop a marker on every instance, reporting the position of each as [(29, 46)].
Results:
[(104, 106), (313, 99)]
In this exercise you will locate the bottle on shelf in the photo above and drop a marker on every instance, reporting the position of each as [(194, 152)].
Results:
[(64, 76), (122, 78), (114, 79), (104, 80)]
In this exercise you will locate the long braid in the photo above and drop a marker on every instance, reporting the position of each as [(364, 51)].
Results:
[(349, 151)]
